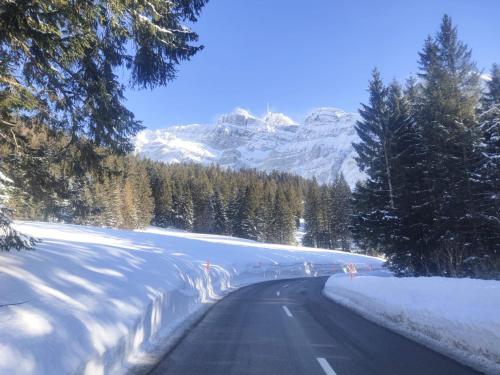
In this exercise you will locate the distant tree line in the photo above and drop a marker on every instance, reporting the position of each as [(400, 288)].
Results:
[(245, 203), (327, 215), (125, 191), (431, 151)]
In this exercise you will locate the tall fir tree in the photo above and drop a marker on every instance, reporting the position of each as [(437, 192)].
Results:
[(409, 233), (219, 219), (282, 223), (488, 173), (312, 216), (182, 207), (446, 117), (339, 212), (9, 237), (71, 77), (248, 216), (161, 190), (373, 199)]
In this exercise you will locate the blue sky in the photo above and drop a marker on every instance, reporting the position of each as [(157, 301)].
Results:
[(298, 55)]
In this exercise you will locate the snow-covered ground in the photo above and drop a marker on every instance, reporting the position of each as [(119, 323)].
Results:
[(458, 317), (94, 300)]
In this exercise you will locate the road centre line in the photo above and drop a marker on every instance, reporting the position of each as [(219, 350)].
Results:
[(326, 366), (287, 311)]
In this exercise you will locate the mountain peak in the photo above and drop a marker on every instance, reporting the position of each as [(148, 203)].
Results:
[(268, 143), (327, 115), (277, 119), (240, 116)]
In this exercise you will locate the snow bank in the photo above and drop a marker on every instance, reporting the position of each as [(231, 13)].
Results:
[(458, 317), (93, 300)]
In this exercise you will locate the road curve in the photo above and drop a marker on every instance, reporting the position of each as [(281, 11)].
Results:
[(289, 327)]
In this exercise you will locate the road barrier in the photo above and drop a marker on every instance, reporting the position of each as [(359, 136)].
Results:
[(274, 271)]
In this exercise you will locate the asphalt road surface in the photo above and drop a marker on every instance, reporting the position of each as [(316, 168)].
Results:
[(289, 327)]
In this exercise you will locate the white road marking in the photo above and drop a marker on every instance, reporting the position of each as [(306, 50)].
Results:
[(326, 366), (278, 293), (284, 286), (287, 311)]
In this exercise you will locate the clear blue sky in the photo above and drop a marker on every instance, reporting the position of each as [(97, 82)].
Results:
[(298, 55)]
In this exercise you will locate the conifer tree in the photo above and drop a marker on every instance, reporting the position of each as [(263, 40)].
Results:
[(143, 200), (233, 211), (373, 200), (266, 213), (9, 237), (220, 221), (282, 225), (247, 216), (183, 207), (71, 77), (340, 213), (408, 231), (446, 118), (312, 216), (488, 172), (161, 190), (129, 207), (201, 191)]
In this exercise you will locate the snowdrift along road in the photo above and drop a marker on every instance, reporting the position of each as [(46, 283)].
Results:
[(93, 300), (457, 317)]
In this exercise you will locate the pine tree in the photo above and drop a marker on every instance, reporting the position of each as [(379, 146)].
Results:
[(233, 212), (445, 115), (114, 207), (311, 216), (409, 252), (128, 206), (340, 214), (488, 172), (324, 235), (266, 213), (201, 191), (161, 190), (72, 80), (9, 237), (373, 200), (144, 202), (490, 147), (220, 221), (282, 225), (183, 207), (247, 216)]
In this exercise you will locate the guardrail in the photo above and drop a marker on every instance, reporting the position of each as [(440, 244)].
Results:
[(272, 270)]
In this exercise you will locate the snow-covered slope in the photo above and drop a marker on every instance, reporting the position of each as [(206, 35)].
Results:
[(101, 301), (321, 146), (458, 317)]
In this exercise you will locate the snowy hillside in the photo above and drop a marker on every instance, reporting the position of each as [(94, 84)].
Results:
[(94, 301), (321, 146)]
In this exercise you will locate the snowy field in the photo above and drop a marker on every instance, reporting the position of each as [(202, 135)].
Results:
[(458, 317), (93, 300)]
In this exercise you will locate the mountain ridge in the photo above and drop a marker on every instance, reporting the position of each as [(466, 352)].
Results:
[(320, 146)]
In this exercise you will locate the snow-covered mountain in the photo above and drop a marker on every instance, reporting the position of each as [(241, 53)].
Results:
[(320, 146)]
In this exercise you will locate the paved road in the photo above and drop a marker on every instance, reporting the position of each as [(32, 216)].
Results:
[(288, 327)]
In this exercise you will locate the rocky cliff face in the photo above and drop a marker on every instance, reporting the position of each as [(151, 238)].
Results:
[(321, 146)]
